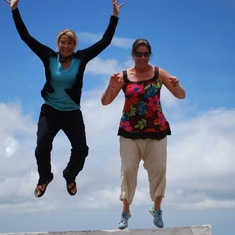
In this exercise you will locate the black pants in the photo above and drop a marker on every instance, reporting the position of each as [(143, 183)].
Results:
[(51, 121)]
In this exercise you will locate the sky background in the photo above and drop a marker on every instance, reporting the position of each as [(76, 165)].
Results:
[(193, 40)]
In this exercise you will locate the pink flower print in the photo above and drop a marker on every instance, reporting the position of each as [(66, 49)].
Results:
[(162, 118), (126, 126), (161, 122), (135, 89), (153, 102), (134, 100), (149, 113)]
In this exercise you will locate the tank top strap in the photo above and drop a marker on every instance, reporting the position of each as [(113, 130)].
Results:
[(156, 72), (125, 76)]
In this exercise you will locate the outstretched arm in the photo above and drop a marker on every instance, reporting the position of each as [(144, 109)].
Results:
[(13, 3), (38, 48)]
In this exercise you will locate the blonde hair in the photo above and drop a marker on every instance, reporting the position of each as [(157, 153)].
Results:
[(71, 35)]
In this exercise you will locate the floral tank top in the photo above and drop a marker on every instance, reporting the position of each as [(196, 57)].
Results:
[(142, 115)]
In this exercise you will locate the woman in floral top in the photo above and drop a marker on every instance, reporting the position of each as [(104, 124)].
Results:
[(143, 127)]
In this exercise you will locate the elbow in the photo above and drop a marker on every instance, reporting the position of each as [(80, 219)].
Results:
[(104, 102), (180, 93), (182, 96)]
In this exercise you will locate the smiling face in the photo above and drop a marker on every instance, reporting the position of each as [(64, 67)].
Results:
[(66, 42), (141, 55), (141, 52)]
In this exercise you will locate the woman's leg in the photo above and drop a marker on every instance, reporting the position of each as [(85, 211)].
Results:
[(157, 203), (74, 128), (47, 129), (130, 159), (155, 164), (126, 206), (46, 132)]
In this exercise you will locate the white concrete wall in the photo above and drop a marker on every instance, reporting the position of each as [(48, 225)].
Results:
[(194, 230)]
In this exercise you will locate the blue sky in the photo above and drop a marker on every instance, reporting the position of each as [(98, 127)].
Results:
[(193, 40)]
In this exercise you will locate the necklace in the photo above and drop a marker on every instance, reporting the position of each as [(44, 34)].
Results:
[(65, 59)]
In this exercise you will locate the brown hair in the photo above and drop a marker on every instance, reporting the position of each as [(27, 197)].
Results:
[(70, 33), (141, 42)]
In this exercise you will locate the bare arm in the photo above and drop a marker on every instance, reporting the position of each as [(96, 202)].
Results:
[(115, 85), (172, 84)]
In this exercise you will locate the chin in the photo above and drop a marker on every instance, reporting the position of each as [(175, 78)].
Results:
[(66, 53), (143, 63)]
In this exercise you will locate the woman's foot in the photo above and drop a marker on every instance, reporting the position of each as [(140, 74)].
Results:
[(41, 189), (157, 214), (72, 188), (123, 223)]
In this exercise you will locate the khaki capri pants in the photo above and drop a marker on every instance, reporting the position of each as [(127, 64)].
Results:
[(154, 155)]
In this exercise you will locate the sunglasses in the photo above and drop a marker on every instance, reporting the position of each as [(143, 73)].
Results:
[(140, 54)]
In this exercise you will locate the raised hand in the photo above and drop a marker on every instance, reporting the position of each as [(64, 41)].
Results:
[(13, 3), (116, 8), (115, 80)]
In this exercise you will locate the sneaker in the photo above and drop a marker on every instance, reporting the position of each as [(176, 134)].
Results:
[(157, 217), (123, 223)]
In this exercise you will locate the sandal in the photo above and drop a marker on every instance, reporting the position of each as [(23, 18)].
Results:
[(157, 214), (38, 192), (123, 223), (71, 189)]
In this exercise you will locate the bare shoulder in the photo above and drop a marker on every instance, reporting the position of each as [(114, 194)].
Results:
[(128, 72), (163, 75), (120, 74)]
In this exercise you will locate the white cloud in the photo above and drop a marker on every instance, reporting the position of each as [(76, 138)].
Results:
[(10, 146), (200, 151), (102, 67), (90, 38), (122, 42), (200, 162)]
